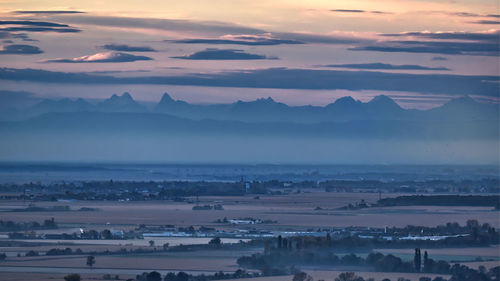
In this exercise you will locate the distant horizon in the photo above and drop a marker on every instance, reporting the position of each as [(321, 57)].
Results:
[(399, 99), (47, 173), (423, 55), (229, 164)]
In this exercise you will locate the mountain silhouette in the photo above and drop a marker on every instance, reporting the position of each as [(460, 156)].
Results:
[(123, 103), (346, 117)]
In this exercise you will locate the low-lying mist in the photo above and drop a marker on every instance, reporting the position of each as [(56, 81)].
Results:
[(192, 148)]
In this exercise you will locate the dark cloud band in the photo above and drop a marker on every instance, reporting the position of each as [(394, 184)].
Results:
[(434, 47), (18, 49), (127, 48), (222, 54), (32, 23), (384, 66), (283, 78), (49, 12), (40, 29)]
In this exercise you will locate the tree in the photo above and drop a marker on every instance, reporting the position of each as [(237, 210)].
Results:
[(50, 223), (426, 262), (417, 260), (182, 276), (169, 277), (106, 234), (266, 247), (348, 276), (285, 243), (215, 241), (90, 261), (153, 276), (302, 276), (32, 254), (72, 277), (472, 224)]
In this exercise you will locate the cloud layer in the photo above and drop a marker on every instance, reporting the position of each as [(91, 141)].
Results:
[(495, 22), (434, 47), (216, 31), (36, 26), (49, 12), (18, 49), (102, 57), (127, 48), (284, 78), (358, 11), (241, 39), (222, 54), (486, 37), (385, 66)]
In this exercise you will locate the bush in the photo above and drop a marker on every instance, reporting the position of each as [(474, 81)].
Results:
[(153, 276), (72, 277), (215, 241), (31, 254)]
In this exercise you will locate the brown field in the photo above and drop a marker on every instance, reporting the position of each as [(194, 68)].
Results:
[(477, 264), (7, 276), (291, 211), (139, 263), (493, 251), (331, 275), (317, 275)]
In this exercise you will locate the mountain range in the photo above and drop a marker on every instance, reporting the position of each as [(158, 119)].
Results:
[(267, 110), (346, 117)]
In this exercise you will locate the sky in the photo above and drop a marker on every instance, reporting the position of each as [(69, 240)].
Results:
[(422, 53)]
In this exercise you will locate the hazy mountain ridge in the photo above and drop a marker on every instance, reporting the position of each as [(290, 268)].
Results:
[(380, 118), (267, 110), (151, 124)]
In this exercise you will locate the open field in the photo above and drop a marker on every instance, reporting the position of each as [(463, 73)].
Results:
[(135, 262), (449, 254), (317, 275), (330, 275), (290, 211), (39, 276), (159, 241)]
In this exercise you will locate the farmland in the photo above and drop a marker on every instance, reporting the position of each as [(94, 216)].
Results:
[(294, 212)]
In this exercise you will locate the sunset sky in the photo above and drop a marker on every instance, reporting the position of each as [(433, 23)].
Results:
[(298, 52)]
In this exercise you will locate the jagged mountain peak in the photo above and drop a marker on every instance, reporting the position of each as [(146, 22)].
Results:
[(63, 101), (124, 97), (166, 98), (464, 100), (268, 100), (347, 100), (467, 107), (382, 99), (123, 103), (383, 102)]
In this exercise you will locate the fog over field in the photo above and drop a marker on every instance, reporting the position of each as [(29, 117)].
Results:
[(262, 131)]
